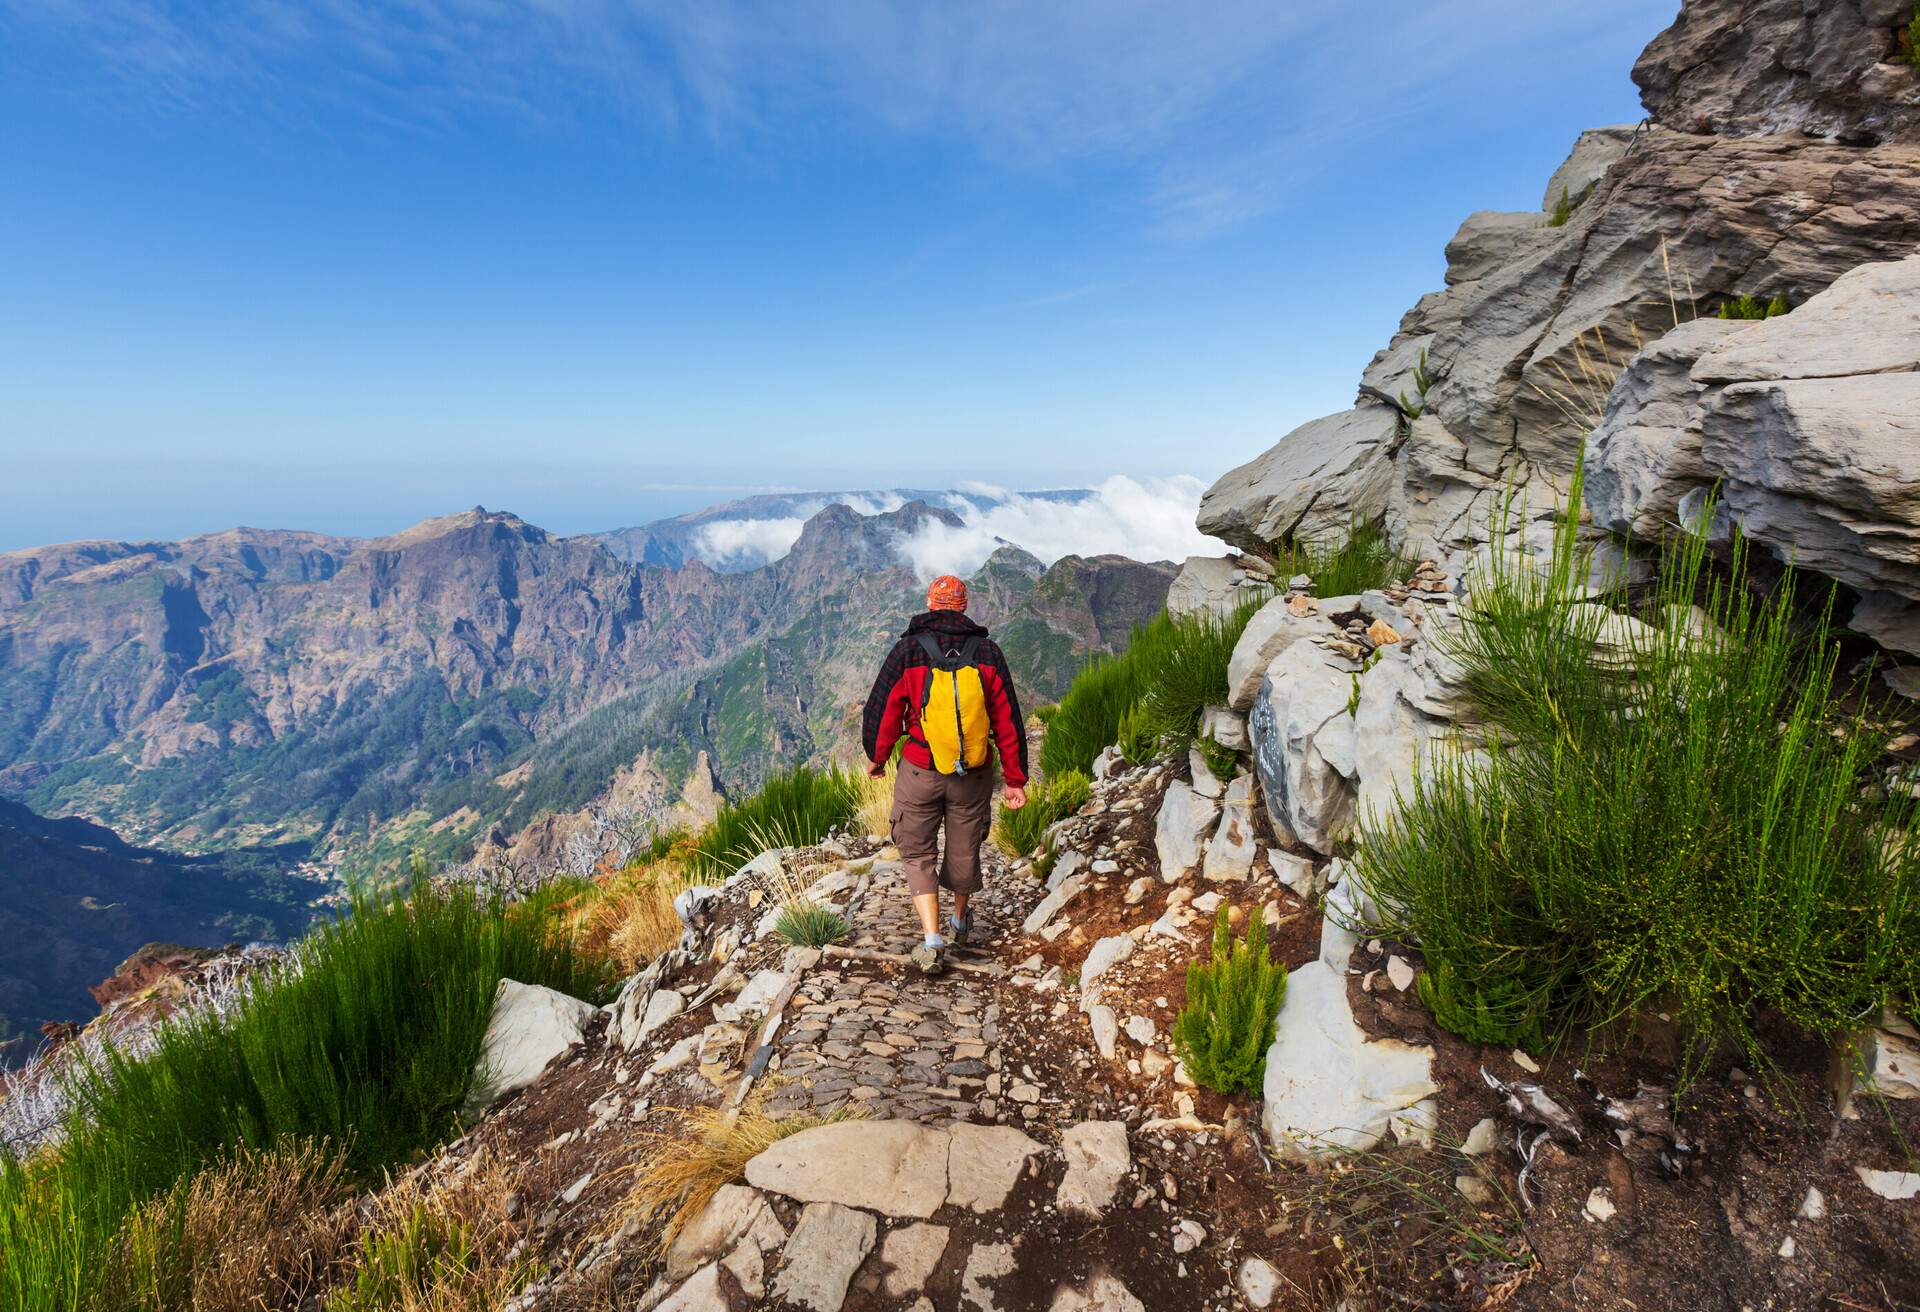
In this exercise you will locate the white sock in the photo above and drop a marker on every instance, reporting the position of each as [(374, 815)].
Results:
[(936, 941)]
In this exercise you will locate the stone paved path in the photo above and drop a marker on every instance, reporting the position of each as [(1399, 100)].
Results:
[(888, 1038)]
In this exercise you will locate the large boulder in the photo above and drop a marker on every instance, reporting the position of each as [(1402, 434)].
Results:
[(1329, 1088), (529, 1027), (1392, 736), (1310, 484), (1205, 585), (1761, 67), (1303, 744), (1180, 833), (1809, 424), (1271, 630), (1487, 240)]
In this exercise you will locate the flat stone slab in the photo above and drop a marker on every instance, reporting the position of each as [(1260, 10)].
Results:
[(911, 1253), (1098, 1159), (984, 1162), (828, 1246), (898, 1168)]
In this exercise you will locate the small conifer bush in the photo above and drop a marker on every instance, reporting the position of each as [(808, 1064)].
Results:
[(1232, 998)]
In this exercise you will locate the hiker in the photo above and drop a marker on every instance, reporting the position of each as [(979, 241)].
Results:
[(945, 688)]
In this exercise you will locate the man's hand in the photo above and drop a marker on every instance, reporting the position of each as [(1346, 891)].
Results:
[(877, 769), (1016, 796)]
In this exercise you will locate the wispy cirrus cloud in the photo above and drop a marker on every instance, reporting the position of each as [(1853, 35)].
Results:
[(1219, 110)]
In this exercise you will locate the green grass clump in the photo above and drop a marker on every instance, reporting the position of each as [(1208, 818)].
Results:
[(1344, 566), (370, 1046), (810, 925), (1222, 1032), (1694, 825), (1055, 798), (796, 808), (1748, 306), (1913, 38), (1562, 210), (1149, 698)]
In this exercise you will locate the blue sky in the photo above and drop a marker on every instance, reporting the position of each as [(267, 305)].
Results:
[(338, 265)]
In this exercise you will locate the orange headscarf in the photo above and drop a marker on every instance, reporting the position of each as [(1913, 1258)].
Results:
[(947, 593)]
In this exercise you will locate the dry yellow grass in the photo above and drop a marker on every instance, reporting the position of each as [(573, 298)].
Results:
[(875, 809), (684, 1166), (629, 917), (263, 1230)]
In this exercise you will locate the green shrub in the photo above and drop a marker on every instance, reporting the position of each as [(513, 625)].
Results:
[(1054, 798), (1562, 210), (1221, 761), (1088, 718), (810, 925), (1348, 565), (1913, 38), (1411, 410), (369, 1046), (795, 808), (1702, 833), (1188, 674), (1222, 1032), (1747, 306)]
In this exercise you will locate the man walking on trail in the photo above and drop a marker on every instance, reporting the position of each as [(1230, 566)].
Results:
[(945, 688)]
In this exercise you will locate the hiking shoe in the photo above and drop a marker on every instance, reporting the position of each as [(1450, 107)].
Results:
[(930, 959), (958, 929)]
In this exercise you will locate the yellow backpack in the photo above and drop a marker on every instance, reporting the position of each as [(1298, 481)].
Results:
[(953, 710)]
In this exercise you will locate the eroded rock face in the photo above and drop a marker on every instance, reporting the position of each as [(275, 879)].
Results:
[(1594, 152), (1809, 423), (1312, 482), (1303, 744), (1741, 68)]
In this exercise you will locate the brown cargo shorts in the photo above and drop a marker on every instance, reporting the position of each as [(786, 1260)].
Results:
[(923, 802)]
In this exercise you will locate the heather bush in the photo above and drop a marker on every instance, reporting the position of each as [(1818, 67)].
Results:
[(1222, 1033)]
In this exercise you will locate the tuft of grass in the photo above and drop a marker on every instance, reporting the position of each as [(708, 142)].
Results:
[(795, 808), (1223, 1031), (1401, 1223), (262, 1229), (810, 925), (1221, 761), (873, 806), (369, 1043), (682, 1168), (1058, 796), (628, 916), (447, 1247), (1089, 717), (1360, 559), (1674, 811)]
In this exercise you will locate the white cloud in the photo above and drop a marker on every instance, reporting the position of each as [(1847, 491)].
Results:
[(1147, 519), (747, 541)]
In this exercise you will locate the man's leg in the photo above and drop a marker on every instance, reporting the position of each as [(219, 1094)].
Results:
[(969, 819), (919, 801)]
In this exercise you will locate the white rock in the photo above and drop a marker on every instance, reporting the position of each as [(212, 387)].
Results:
[(911, 1253), (1474, 1190), (984, 1162), (1524, 1062), (1108, 763), (1104, 1293), (736, 1213), (1303, 744), (1399, 973), (1066, 867), (702, 1293), (662, 1007), (1310, 485), (1814, 1206), (1417, 1125), (1204, 585), (827, 1246), (1293, 872), (1106, 1028), (1231, 850), (1594, 152), (1786, 1248), (1204, 782), (897, 1168), (1104, 956), (1180, 831), (1141, 1030), (755, 998), (529, 1027), (1257, 1282), (1328, 1087), (1897, 1186), (1271, 631), (986, 1262), (1889, 1062), (1049, 906), (1483, 1138), (1226, 726), (1098, 1159), (1599, 1205), (1188, 1235)]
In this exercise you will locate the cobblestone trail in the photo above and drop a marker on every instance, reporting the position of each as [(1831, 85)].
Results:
[(899, 1043)]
